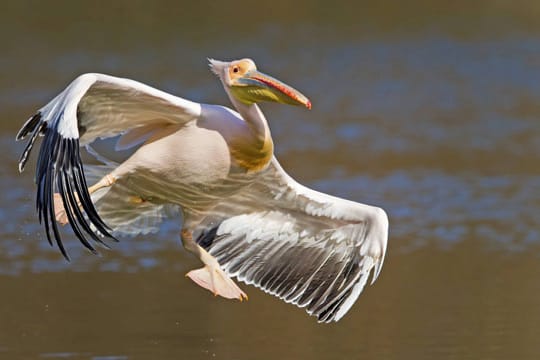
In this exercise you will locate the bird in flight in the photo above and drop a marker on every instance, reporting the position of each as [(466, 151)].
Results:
[(242, 215)]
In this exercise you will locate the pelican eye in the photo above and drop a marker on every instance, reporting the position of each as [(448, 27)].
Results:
[(235, 69)]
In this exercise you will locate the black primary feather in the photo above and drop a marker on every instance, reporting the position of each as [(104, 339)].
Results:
[(59, 168), (29, 126), (37, 127)]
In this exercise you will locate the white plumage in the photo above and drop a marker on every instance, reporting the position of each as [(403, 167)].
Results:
[(243, 215)]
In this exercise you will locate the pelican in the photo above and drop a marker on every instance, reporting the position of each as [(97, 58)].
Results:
[(242, 215)]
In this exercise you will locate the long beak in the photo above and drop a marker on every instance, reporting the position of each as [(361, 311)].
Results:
[(262, 87)]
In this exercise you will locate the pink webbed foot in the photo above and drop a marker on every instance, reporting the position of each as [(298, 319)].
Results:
[(59, 211), (215, 280)]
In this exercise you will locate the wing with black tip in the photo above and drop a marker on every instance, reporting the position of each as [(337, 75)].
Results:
[(92, 106)]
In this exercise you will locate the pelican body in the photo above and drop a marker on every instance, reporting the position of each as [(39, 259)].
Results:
[(242, 215)]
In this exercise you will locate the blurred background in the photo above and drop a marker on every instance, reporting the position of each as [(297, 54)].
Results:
[(428, 109)]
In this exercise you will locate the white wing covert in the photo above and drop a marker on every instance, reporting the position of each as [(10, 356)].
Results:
[(92, 106), (308, 248)]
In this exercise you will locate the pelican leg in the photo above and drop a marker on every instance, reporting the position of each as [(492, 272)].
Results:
[(59, 210), (210, 277), (105, 181)]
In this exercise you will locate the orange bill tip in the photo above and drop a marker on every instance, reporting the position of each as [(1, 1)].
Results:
[(288, 91)]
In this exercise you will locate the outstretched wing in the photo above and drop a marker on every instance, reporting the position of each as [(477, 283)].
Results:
[(308, 248), (92, 106)]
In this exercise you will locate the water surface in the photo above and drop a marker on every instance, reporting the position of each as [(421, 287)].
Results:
[(429, 112)]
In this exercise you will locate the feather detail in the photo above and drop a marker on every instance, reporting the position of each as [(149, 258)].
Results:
[(309, 249), (92, 106)]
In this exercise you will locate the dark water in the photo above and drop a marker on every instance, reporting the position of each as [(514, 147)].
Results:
[(431, 112)]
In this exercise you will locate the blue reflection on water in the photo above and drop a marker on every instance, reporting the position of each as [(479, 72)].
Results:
[(456, 119), (428, 207)]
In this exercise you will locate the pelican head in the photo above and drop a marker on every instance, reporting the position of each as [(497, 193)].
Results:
[(243, 81)]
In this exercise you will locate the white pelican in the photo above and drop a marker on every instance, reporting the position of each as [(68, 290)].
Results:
[(243, 216)]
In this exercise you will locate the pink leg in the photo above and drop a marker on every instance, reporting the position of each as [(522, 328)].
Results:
[(60, 211), (211, 276)]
